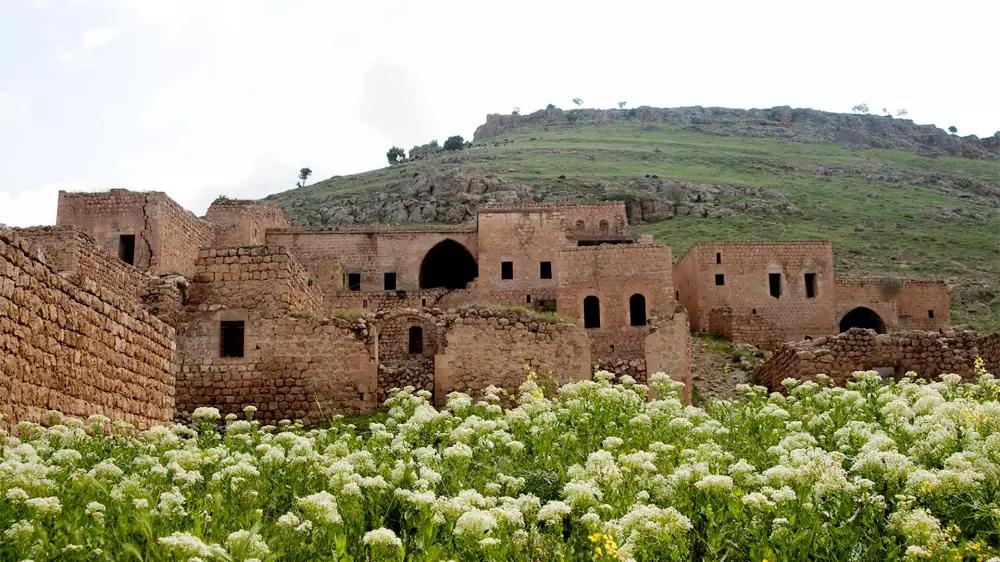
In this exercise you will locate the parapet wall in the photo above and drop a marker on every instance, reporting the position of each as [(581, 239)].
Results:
[(485, 346), (929, 354), (77, 349), (244, 223)]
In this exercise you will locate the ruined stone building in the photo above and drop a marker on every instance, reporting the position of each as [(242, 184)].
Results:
[(133, 307)]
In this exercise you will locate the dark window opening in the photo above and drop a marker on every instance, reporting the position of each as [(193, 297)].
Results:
[(528, 299), (591, 312), (416, 339), (389, 281), (774, 284), (231, 338), (364, 303), (862, 317), (423, 302), (353, 281), (637, 310), (603, 226), (126, 248), (447, 265), (720, 279), (580, 225), (810, 285), (677, 295), (930, 313), (718, 257), (754, 311), (506, 270), (545, 270)]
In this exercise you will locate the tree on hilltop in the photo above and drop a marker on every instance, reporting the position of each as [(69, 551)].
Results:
[(454, 143), (953, 130), (578, 101), (550, 106), (621, 104), (304, 174), (396, 155), (860, 108)]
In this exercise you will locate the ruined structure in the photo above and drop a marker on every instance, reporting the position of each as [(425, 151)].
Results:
[(133, 307)]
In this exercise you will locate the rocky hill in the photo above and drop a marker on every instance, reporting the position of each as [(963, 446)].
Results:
[(895, 198)]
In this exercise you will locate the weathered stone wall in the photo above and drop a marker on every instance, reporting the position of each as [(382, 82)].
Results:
[(745, 267), (745, 328), (397, 366), (78, 349), (240, 222), (293, 368), (167, 237), (331, 254), (902, 304), (484, 347), (668, 348), (165, 297), (525, 237), (76, 255), (264, 279), (929, 354)]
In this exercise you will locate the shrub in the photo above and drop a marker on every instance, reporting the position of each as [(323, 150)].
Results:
[(454, 143)]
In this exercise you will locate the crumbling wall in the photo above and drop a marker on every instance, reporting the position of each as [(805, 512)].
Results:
[(240, 222), (293, 368), (929, 354), (745, 328), (398, 367), (902, 304), (76, 255), (484, 346), (78, 349), (668, 348)]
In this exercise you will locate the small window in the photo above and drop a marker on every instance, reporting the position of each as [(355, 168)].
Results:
[(416, 340), (720, 279), (545, 270), (677, 295), (591, 312), (603, 226), (930, 313), (580, 225), (774, 284), (810, 285), (637, 310), (423, 302), (754, 311), (528, 299), (353, 281), (389, 281), (231, 338), (126, 248), (506, 270), (718, 257)]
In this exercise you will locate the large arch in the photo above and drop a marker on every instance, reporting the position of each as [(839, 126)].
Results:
[(448, 265), (862, 317)]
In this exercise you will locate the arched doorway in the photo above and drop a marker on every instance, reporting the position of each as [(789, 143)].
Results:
[(591, 312), (862, 317), (448, 265), (637, 310)]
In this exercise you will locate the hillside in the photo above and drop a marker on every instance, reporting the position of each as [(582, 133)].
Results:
[(909, 208)]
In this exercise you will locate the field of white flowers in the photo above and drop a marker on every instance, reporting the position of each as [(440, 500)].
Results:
[(596, 471)]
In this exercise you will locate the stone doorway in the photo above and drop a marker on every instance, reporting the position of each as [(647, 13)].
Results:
[(862, 317)]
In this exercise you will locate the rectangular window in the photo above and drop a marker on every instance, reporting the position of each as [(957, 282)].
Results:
[(389, 281), (231, 338), (810, 285), (528, 299), (718, 257), (126, 248), (930, 313), (506, 270), (353, 281), (720, 279), (545, 270), (774, 284)]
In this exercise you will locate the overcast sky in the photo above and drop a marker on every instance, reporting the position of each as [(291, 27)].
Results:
[(200, 98)]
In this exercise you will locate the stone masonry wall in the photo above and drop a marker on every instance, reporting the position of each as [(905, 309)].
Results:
[(76, 255), (929, 354), (77, 349), (668, 348), (244, 223), (745, 328), (902, 304), (486, 347)]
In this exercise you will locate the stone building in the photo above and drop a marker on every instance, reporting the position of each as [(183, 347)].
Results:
[(303, 323)]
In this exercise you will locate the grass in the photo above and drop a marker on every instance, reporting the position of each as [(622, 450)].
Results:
[(885, 211)]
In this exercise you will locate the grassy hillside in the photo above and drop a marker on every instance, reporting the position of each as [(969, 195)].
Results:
[(888, 212)]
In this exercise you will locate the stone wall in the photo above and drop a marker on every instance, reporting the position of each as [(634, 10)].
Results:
[(484, 347), (165, 297), (78, 349), (903, 304), (668, 348), (745, 328), (398, 367), (929, 354), (240, 222), (293, 368), (76, 255)]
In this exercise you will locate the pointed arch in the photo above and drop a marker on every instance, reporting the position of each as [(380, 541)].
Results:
[(447, 265)]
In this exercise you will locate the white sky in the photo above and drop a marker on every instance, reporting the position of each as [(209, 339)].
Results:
[(206, 97)]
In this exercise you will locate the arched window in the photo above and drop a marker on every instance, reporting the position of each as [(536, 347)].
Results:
[(637, 310), (580, 225), (603, 225), (416, 339), (591, 312)]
